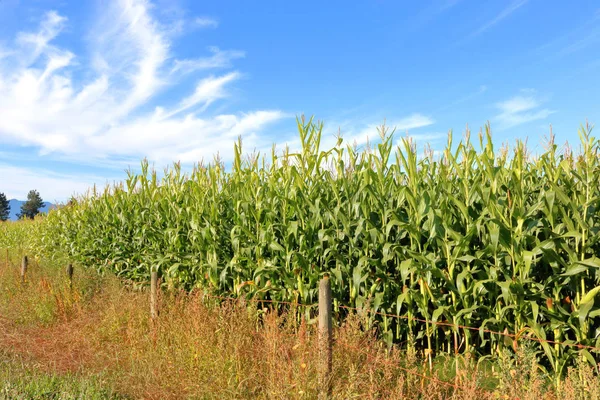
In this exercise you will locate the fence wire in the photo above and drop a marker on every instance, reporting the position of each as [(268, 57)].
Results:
[(514, 336)]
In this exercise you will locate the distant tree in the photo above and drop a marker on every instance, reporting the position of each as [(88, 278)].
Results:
[(4, 207), (32, 206)]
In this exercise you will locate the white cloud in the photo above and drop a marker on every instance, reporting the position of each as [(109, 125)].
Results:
[(400, 126), (354, 131), (512, 7), (206, 22), (517, 104), (219, 59), (504, 13), (114, 109), (37, 42), (583, 36), (17, 182), (482, 89), (207, 91), (413, 121), (520, 109), (428, 13), (425, 138), (187, 139)]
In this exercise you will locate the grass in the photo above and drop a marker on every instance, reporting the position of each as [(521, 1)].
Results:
[(96, 341), (25, 380)]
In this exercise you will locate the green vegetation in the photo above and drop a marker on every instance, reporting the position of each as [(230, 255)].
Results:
[(32, 206), (96, 341), (4, 207), (478, 238), (18, 380)]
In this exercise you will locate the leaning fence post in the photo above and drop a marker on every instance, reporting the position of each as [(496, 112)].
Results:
[(23, 269), (70, 275), (325, 338), (153, 294)]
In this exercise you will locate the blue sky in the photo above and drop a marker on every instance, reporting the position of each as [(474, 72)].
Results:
[(89, 88)]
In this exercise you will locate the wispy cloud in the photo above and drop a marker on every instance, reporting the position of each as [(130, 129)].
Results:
[(581, 43), (218, 59), (114, 110), (512, 7), (205, 22), (358, 131), (34, 43), (370, 131), (482, 89), (503, 14), (53, 187), (207, 91), (520, 109), (426, 138), (431, 12), (412, 122), (583, 36)]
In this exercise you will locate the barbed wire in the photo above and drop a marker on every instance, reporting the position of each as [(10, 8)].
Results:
[(514, 336)]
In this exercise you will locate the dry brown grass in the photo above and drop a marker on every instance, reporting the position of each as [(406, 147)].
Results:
[(199, 348)]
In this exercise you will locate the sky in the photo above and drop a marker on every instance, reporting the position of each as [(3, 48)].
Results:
[(88, 89)]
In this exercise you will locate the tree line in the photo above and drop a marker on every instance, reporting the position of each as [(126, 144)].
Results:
[(29, 209)]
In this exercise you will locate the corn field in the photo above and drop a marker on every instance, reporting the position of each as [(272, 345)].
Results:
[(493, 239)]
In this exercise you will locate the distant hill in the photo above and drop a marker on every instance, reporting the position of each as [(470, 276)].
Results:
[(15, 208)]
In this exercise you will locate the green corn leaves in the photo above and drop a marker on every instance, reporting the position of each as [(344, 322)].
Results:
[(474, 237)]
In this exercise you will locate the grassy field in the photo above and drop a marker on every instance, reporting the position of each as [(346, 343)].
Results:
[(97, 342)]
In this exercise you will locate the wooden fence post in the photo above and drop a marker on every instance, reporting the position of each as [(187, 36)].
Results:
[(153, 294), (325, 338), (70, 275), (23, 269)]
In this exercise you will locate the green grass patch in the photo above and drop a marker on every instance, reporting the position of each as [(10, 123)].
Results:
[(20, 380)]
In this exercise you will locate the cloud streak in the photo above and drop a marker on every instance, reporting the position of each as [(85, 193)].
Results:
[(520, 109), (583, 36), (370, 132), (205, 22), (53, 187), (514, 6), (482, 89), (219, 59), (505, 13), (115, 110)]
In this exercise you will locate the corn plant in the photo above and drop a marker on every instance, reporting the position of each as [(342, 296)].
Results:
[(477, 237)]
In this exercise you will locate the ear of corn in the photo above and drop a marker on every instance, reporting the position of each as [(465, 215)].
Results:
[(482, 238)]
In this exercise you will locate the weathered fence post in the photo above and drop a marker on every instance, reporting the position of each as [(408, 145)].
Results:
[(70, 275), (153, 294), (325, 338), (23, 269)]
